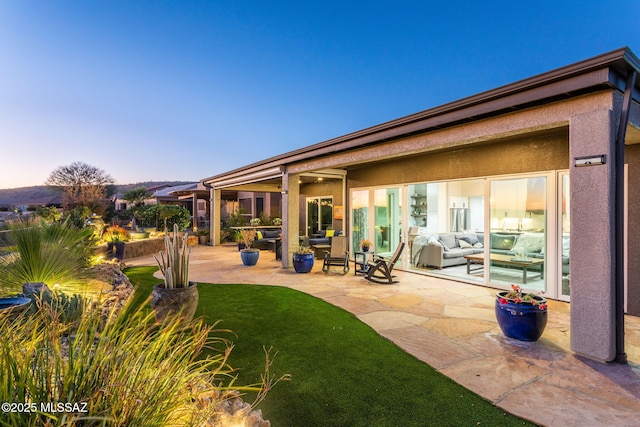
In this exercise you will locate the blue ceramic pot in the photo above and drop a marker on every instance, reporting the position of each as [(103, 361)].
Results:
[(120, 250), (523, 321), (303, 263), (13, 306), (249, 256)]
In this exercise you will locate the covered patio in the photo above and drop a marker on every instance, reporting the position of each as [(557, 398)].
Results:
[(451, 326)]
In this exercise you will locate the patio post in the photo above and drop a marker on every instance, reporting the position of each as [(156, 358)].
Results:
[(593, 221), (290, 215)]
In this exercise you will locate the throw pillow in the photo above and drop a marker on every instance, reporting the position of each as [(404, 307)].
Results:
[(259, 235), (448, 240), (469, 238), (330, 233), (444, 245), (464, 244)]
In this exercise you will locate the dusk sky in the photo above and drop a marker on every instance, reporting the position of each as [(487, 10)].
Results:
[(183, 90)]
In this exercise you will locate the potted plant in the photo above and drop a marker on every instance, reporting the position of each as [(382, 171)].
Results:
[(522, 316), (203, 236), (177, 294), (302, 257), (116, 236), (254, 222), (248, 255), (365, 245)]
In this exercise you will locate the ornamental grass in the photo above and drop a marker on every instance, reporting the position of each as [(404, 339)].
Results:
[(119, 370)]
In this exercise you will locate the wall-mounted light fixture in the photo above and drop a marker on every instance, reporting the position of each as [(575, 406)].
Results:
[(590, 160)]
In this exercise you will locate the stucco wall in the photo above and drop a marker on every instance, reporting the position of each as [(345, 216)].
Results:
[(525, 154)]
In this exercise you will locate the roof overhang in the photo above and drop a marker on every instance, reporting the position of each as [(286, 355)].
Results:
[(605, 72)]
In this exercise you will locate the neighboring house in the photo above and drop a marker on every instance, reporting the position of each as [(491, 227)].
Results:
[(536, 162), (193, 196), (119, 204), (185, 195)]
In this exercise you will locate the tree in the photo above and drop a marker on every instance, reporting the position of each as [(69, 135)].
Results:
[(137, 196), (81, 185)]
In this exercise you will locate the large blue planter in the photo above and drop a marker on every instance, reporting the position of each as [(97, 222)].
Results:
[(13, 306), (249, 256), (523, 321), (120, 250), (303, 263)]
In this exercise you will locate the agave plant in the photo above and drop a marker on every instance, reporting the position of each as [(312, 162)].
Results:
[(175, 265)]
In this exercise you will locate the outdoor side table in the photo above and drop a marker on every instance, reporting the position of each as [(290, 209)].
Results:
[(361, 260)]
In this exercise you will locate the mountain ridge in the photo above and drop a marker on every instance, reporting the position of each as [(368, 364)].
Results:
[(43, 194)]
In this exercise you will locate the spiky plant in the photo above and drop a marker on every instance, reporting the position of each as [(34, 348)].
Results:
[(175, 266), (52, 253)]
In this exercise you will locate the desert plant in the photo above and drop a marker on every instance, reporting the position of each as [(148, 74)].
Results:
[(301, 249), (175, 267), (247, 236), (115, 234), (121, 370), (46, 252)]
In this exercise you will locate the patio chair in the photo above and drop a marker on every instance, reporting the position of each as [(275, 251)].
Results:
[(338, 256), (380, 268)]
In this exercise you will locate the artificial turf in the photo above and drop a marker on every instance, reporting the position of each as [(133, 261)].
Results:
[(342, 372)]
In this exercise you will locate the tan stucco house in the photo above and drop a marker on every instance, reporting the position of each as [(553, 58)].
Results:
[(542, 168)]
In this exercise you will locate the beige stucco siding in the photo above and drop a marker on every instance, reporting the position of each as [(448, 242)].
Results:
[(527, 154)]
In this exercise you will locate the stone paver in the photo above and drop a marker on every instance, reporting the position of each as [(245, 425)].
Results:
[(451, 326)]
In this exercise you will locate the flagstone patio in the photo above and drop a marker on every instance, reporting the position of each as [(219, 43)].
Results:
[(451, 326)]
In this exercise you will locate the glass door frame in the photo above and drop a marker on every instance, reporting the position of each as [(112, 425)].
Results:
[(553, 235), (370, 221), (318, 214), (560, 233)]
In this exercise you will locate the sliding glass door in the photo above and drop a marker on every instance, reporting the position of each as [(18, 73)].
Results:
[(387, 220), (381, 224), (565, 237), (517, 238), (359, 217)]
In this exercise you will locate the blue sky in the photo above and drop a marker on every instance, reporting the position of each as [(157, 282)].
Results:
[(182, 90)]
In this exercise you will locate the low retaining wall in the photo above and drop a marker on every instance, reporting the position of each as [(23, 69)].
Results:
[(138, 248), (144, 247)]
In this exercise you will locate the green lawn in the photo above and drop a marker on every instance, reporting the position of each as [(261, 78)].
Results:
[(342, 372)]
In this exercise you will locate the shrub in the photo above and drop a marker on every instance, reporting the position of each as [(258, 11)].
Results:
[(171, 214), (146, 216)]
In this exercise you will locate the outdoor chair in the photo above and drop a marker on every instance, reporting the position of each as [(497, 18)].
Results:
[(380, 268), (338, 256)]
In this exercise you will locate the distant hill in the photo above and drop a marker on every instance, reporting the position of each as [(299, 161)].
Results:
[(43, 195)]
